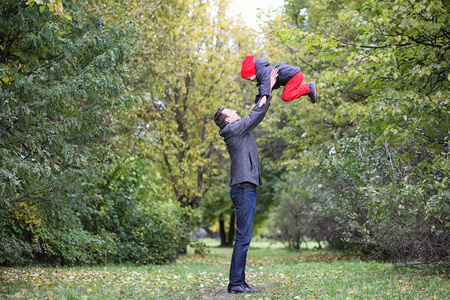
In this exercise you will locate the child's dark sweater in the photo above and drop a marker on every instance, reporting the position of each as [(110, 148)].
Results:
[(285, 73)]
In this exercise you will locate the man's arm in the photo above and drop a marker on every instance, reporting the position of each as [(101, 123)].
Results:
[(257, 114)]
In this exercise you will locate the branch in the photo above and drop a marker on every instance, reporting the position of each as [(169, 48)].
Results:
[(346, 42), (29, 196), (169, 166)]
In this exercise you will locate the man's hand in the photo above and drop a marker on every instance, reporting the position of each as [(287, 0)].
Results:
[(262, 101), (273, 78)]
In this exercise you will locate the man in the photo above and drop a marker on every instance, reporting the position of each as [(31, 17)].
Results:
[(245, 177)]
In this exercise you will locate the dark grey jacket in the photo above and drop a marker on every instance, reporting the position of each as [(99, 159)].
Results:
[(242, 146), (285, 73)]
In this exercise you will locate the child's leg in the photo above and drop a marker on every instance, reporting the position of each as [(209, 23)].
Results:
[(294, 88)]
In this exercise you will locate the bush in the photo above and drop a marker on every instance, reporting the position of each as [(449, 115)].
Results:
[(305, 212), (29, 235), (391, 205), (151, 236), (143, 228)]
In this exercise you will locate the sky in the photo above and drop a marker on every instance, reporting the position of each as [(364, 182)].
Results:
[(249, 9)]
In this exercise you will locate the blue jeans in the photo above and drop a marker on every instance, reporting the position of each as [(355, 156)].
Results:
[(244, 198)]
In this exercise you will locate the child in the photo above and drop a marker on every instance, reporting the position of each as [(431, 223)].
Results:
[(258, 70)]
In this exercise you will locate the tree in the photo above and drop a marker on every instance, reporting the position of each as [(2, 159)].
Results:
[(134, 212), (388, 167), (186, 61), (299, 131), (199, 75), (61, 79), (406, 68)]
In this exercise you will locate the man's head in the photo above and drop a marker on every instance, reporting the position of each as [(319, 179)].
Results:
[(248, 70), (223, 116)]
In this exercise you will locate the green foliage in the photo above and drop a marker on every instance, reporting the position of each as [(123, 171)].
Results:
[(83, 180), (388, 210), (13, 249), (305, 212), (61, 81), (200, 248), (403, 182), (195, 81), (187, 69), (143, 229), (54, 111), (384, 90), (34, 232)]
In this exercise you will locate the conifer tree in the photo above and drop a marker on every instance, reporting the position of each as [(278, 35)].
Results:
[(61, 80)]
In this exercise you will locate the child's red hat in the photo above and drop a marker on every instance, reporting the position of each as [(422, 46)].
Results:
[(248, 67)]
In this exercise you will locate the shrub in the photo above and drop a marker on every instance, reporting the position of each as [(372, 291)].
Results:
[(391, 205), (145, 227)]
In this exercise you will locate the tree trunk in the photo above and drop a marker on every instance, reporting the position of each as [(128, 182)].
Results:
[(223, 236), (232, 230), (226, 240), (185, 237)]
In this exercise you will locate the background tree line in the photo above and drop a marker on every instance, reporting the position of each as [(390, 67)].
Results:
[(108, 151), (107, 145), (369, 165)]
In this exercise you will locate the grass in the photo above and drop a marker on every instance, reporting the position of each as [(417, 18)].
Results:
[(277, 272)]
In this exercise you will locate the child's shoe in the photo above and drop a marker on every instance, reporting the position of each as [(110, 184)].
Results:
[(312, 92)]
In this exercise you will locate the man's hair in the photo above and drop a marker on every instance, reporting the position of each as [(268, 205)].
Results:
[(219, 117)]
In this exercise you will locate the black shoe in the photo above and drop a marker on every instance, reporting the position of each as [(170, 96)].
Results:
[(312, 92), (252, 290), (241, 288)]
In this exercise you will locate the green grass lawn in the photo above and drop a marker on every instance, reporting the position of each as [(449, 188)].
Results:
[(277, 272)]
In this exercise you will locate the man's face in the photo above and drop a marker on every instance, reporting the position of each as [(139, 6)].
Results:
[(232, 115), (251, 78)]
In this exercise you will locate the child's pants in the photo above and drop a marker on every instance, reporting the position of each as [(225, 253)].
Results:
[(294, 88)]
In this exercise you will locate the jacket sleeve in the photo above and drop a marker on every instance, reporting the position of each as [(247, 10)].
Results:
[(251, 120), (264, 85)]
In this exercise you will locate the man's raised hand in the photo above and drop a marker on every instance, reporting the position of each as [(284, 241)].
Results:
[(262, 101), (273, 78)]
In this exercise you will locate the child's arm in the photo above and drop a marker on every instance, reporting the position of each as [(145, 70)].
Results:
[(264, 84), (272, 80)]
